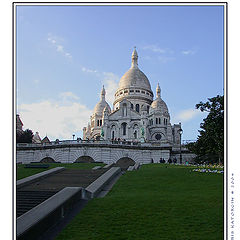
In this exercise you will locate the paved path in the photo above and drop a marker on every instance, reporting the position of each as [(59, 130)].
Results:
[(65, 178)]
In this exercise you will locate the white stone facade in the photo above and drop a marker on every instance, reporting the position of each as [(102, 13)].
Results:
[(135, 115)]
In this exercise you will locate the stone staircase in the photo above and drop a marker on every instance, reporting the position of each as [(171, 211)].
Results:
[(26, 200)]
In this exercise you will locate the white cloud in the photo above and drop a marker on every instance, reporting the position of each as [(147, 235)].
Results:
[(59, 48), (154, 48), (68, 55), (88, 70), (162, 54), (186, 115), (57, 119), (54, 40), (110, 82), (189, 51), (68, 95)]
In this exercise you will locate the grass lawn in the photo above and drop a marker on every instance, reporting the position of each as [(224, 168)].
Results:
[(25, 172), (155, 202)]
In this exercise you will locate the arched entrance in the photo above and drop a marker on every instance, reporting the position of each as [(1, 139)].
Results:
[(85, 159), (47, 160), (125, 162)]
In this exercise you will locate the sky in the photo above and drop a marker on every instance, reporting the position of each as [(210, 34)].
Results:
[(65, 54)]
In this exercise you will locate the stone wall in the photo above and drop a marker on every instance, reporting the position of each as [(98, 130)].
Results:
[(107, 153)]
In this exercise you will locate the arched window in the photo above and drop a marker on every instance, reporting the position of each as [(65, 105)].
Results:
[(97, 122), (113, 135), (137, 107), (101, 122), (135, 134), (124, 128), (131, 106), (159, 120), (135, 131), (147, 109), (124, 109), (156, 120)]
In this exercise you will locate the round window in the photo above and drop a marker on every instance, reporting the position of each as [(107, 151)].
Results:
[(158, 136)]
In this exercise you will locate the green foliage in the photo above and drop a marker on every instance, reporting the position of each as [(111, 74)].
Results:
[(209, 146), (159, 201), (25, 137)]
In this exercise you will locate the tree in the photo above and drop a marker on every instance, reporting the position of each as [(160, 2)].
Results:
[(209, 146), (25, 137)]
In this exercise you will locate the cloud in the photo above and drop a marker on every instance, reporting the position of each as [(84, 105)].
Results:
[(54, 40), (189, 51), (88, 70), (56, 118), (154, 48), (108, 79), (162, 54), (68, 95), (186, 115), (110, 82), (60, 48)]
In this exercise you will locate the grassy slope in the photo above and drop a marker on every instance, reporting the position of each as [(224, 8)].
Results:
[(25, 172), (154, 203)]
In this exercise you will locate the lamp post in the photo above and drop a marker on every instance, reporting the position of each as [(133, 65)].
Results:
[(73, 136), (180, 133)]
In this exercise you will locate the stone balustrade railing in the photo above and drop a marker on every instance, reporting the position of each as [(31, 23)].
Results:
[(99, 142)]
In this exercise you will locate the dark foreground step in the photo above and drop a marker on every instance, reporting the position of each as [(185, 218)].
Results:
[(26, 200)]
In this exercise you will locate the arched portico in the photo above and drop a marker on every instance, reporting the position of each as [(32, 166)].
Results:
[(125, 162), (85, 159), (47, 160)]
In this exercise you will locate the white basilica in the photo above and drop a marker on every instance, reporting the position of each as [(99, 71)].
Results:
[(135, 115)]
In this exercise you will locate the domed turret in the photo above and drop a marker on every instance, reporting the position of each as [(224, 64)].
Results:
[(102, 104), (158, 105)]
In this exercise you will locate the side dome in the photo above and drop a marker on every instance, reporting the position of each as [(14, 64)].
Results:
[(158, 105), (98, 109), (100, 106)]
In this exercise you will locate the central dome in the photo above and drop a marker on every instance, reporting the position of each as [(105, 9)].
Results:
[(134, 85), (134, 77)]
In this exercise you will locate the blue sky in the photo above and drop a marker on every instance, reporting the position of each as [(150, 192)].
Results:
[(66, 53)]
